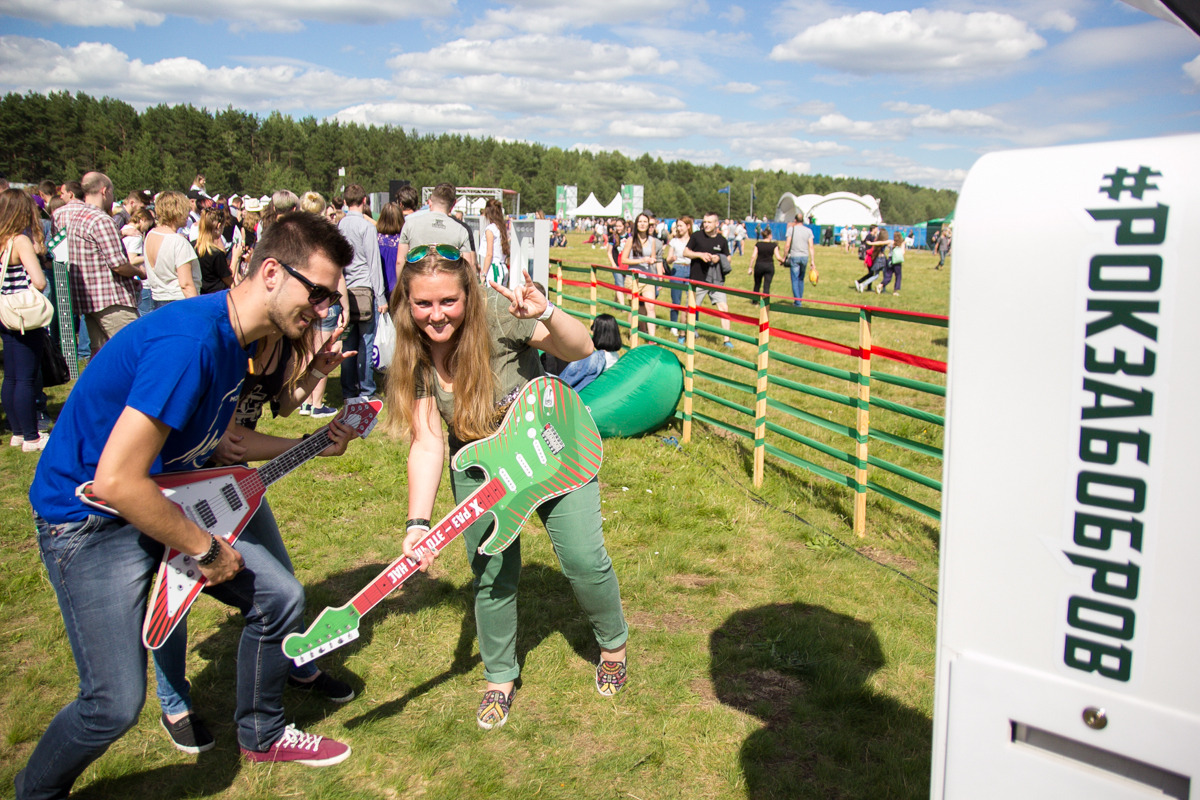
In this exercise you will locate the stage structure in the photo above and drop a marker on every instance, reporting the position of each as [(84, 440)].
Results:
[(566, 198), (1067, 630), (471, 199)]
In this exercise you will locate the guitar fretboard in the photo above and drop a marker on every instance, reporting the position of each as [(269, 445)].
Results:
[(453, 524)]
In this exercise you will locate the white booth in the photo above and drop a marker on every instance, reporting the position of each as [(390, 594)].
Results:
[(1069, 609)]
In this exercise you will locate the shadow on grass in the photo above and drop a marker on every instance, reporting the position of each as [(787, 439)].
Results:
[(805, 671), (546, 605)]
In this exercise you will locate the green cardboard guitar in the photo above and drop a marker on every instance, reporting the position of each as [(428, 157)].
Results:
[(547, 446)]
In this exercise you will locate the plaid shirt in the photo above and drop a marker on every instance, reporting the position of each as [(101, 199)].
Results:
[(94, 248)]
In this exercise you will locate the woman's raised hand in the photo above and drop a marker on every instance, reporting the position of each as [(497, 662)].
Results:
[(525, 302)]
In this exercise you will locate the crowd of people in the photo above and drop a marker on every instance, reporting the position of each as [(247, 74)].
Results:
[(199, 312)]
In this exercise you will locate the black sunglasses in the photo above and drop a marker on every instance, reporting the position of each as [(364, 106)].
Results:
[(317, 294)]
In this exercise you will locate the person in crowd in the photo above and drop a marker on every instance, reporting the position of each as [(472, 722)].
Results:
[(616, 245), (172, 269), (705, 249), (801, 254), (152, 401), (469, 352), (606, 339), (436, 226), (334, 323), (942, 246), (389, 227), (875, 242), (679, 265), (494, 265), (283, 373), (278, 203), (72, 191), (104, 285), (20, 234), (364, 282), (643, 252), (739, 235), (133, 236), (211, 254), (895, 263), (766, 253)]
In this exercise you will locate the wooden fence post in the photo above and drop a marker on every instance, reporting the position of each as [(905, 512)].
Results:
[(634, 297), (760, 401), (558, 284), (689, 363), (863, 427), (593, 296)]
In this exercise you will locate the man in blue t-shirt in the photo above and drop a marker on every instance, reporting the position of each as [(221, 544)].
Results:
[(157, 398)]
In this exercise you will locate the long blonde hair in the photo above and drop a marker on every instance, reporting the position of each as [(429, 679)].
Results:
[(469, 364)]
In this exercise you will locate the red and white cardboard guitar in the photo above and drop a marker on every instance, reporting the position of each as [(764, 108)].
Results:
[(221, 500)]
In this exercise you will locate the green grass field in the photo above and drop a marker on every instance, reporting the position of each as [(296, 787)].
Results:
[(768, 657)]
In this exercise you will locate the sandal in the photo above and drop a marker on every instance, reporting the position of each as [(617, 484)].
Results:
[(610, 677), (493, 711)]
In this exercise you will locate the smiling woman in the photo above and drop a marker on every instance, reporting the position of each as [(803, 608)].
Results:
[(470, 356)]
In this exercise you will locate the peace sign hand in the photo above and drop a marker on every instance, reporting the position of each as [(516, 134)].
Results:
[(525, 302)]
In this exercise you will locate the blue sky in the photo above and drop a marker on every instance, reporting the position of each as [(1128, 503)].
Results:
[(883, 90)]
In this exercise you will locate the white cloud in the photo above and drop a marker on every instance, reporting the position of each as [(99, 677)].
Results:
[(1057, 19), (784, 164), (271, 15), (84, 13), (554, 16), (956, 120), (540, 55), (948, 43), (1099, 48), (907, 108), (96, 68), (733, 15), (1192, 70), (458, 117), (786, 146), (841, 125), (890, 166), (664, 126), (737, 87)]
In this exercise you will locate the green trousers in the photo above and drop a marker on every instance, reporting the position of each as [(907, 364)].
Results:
[(573, 522)]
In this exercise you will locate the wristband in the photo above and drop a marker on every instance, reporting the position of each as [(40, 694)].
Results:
[(320, 375), (545, 315), (416, 523), (214, 550)]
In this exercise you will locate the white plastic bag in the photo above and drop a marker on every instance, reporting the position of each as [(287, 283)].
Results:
[(385, 343)]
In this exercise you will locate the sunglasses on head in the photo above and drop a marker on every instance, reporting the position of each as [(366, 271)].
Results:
[(448, 252), (317, 294)]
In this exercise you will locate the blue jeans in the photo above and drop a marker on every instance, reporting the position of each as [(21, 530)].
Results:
[(798, 266), (22, 362), (145, 302), (170, 660), (678, 271), (358, 376), (101, 570), (83, 343)]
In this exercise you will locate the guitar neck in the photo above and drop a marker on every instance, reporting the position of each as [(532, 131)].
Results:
[(303, 451), (446, 531)]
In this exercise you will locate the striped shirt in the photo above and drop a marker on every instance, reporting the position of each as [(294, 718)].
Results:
[(94, 250), (16, 279)]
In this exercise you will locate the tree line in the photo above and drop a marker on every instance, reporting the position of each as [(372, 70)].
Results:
[(59, 136)]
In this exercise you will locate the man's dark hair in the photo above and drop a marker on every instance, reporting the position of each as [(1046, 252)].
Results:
[(354, 195), (48, 188), (408, 198), (444, 195), (74, 188), (295, 236)]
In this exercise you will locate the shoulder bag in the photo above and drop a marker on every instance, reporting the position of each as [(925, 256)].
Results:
[(26, 309)]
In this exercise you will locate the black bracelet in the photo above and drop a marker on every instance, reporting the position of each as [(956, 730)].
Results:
[(214, 550), (416, 523)]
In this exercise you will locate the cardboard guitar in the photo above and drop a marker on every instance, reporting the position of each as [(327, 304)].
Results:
[(221, 500), (546, 446)]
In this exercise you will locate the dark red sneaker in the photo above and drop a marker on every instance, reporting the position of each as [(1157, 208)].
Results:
[(302, 748)]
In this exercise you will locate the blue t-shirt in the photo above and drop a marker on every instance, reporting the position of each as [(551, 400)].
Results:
[(181, 365)]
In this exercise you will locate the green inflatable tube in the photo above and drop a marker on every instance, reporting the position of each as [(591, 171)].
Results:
[(637, 394)]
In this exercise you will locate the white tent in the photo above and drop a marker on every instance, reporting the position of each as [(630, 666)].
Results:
[(592, 208), (838, 208)]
